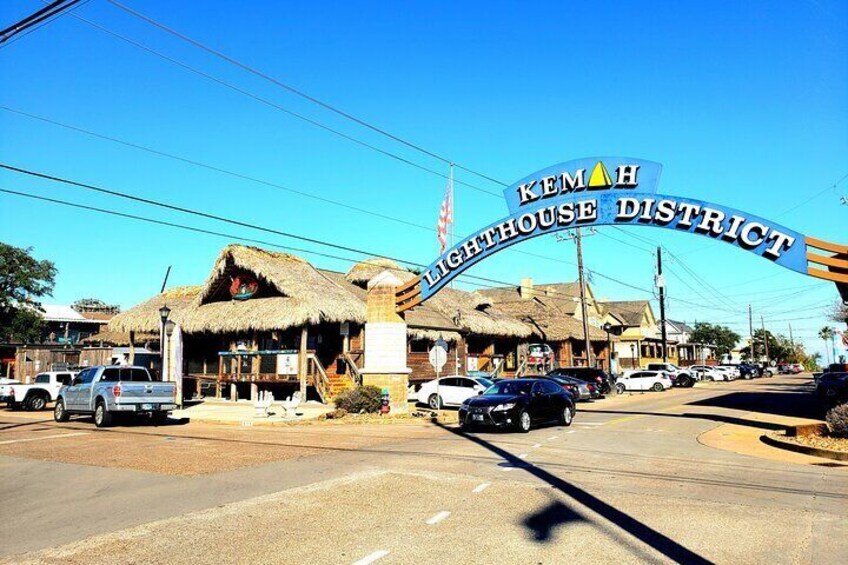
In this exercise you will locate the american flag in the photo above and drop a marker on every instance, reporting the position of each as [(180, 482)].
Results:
[(445, 218)]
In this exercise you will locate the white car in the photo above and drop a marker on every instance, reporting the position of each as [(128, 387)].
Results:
[(734, 370), (729, 373), (643, 380), (709, 373), (451, 391), (35, 396)]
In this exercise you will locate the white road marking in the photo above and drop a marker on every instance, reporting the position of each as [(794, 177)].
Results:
[(505, 469), (552, 438), (591, 423), (570, 431), (481, 487), (535, 445), (372, 557), (438, 518), (8, 441), (523, 456)]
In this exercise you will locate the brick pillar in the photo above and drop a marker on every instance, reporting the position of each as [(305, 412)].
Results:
[(385, 342)]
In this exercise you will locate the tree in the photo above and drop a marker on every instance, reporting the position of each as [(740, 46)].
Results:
[(723, 338), (826, 334), (23, 280)]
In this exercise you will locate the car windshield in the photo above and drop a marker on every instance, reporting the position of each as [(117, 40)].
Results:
[(485, 382), (510, 387)]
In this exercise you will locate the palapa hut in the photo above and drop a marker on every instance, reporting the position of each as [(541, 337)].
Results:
[(272, 319)]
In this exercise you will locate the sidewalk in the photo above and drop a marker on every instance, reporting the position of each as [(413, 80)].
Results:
[(243, 412)]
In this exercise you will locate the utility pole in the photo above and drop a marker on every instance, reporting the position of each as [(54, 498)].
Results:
[(583, 309), (791, 341), (751, 333), (661, 285), (765, 338)]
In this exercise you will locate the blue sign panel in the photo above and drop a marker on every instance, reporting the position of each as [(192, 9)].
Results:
[(613, 207), (583, 177)]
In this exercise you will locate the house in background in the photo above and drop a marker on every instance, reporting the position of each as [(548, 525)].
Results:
[(640, 338), (689, 352)]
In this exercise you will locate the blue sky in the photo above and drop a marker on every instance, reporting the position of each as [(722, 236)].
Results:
[(745, 104)]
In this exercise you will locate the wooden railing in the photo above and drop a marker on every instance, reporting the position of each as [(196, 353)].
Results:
[(319, 377), (353, 369)]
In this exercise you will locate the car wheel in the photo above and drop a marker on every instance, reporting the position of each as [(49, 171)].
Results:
[(523, 422), (59, 412), (658, 387), (435, 401), (567, 416), (102, 417), (711, 379), (620, 388), (36, 403)]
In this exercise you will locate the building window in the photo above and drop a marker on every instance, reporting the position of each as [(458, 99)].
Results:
[(420, 345)]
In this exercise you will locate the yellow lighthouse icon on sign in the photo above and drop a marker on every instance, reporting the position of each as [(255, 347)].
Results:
[(600, 178)]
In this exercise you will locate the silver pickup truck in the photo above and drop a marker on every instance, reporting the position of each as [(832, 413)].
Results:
[(109, 390)]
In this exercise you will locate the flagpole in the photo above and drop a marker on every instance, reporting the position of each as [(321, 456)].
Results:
[(452, 210)]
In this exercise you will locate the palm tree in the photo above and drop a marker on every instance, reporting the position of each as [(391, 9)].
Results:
[(827, 335)]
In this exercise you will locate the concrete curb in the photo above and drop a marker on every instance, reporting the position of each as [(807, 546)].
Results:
[(805, 449)]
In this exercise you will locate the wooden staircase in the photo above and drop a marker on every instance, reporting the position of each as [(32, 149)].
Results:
[(328, 385)]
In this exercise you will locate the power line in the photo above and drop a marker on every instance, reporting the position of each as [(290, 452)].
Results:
[(280, 108), (240, 223), (247, 177), (36, 21), (299, 92)]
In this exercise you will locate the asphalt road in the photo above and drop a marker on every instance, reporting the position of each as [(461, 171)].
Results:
[(629, 481)]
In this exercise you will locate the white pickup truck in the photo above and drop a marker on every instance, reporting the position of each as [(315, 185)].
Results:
[(36, 395)]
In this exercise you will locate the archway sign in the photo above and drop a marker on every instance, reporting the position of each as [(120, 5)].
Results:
[(620, 191)]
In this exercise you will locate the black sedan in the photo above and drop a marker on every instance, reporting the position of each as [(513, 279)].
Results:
[(518, 404), (833, 386)]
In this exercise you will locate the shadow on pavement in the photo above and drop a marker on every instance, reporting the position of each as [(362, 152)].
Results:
[(660, 542), (555, 514), (779, 403), (697, 416)]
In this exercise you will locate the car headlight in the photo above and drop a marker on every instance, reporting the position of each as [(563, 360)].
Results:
[(502, 407)]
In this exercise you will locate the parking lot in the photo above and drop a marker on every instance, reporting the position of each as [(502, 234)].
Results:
[(412, 491)]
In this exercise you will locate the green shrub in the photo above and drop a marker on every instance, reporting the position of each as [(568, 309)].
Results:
[(361, 399), (837, 419)]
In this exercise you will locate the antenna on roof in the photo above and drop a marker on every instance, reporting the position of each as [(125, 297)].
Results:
[(165, 282)]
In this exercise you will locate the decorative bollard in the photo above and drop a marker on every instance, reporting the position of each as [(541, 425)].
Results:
[(384, 404)]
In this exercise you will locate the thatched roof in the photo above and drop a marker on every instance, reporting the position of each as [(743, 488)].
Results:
[(292, 293), (145, 316), (474, 313), (366, 270), (549, 321)]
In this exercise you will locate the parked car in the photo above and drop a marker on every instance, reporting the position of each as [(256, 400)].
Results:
[(833, 385), (518, 404), (578, 389), (680, 377), (587, 374), (451, 390), (726, 373), (643, 380), (749, 371), (732, 369), (105, 391), (35, 396), (790, 369), (706, 373)]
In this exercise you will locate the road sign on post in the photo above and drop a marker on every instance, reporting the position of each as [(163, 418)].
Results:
[(438, 358), (439, 355)]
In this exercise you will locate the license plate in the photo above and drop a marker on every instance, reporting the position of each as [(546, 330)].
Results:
[(477, 417), (146, 407)]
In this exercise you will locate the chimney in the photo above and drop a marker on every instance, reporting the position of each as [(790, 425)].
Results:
[(525, 291)]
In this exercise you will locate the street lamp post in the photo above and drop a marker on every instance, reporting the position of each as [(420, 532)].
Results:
[(164, 312), (633, 355)]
